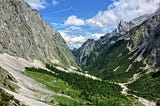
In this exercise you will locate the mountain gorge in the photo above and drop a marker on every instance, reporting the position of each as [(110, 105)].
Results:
[(38, 69)]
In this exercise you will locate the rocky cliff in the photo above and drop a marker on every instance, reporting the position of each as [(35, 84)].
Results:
[(84, 53), (23, 33), (145, 38)]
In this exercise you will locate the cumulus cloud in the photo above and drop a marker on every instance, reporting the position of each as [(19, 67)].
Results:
[(74, 21), (36, 4), (122, 10), (106, 21), (97, 35), (73, 41), (55, 2)]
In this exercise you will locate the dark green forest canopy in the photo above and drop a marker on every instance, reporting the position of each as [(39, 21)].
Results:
[(95, 92)]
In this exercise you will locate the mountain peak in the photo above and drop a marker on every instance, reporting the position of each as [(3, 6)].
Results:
[(123, 26)]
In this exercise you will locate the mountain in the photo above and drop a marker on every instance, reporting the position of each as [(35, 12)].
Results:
[(130, 44), (128, 55), (91, 48), (26, 40), (23, 33), (38, 69)]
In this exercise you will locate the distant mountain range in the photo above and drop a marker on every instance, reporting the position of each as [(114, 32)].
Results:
[(91, 47)]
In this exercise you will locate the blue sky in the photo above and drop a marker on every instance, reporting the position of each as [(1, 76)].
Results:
[(79, 20), (65, 8)]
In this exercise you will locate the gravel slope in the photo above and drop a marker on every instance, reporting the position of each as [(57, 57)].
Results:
[(30, 91)]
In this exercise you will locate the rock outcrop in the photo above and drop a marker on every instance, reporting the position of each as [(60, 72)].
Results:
[(83, 54), (145, 38)]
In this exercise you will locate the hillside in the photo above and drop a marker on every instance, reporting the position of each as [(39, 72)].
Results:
[(131, 49)]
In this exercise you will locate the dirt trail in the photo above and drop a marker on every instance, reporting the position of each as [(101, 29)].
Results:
[(125, 92)]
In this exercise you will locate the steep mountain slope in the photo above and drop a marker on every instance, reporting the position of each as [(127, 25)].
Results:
[(92, 48), (26, 40), (84, 53), (124, 57), (133, 52), (23, 33), (145, 38)]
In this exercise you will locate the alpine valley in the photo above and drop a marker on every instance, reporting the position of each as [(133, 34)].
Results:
[(121, 68)]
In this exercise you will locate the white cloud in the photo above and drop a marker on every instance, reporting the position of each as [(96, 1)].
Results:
[(36, 4), (122, 10), (74, 21), (97, 35), (55, 2), (73, 41), (57, 25), (105, 21)]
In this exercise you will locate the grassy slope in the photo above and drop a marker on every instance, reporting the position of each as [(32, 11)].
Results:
[(56, 85), (117, 55), (147, 86), (85, 90), (110, 58)]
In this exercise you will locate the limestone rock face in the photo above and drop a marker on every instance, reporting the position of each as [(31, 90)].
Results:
[(139, 20), (123, 26), (83, 54), (146, 37), (23, 33)]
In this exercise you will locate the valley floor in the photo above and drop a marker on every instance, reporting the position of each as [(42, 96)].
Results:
[(34, 93)]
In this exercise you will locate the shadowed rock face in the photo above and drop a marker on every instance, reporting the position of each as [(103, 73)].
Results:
[(83, 54), (25, 34), (146, 37)]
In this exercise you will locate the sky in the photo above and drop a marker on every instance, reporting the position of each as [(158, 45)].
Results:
[(79, 20)]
